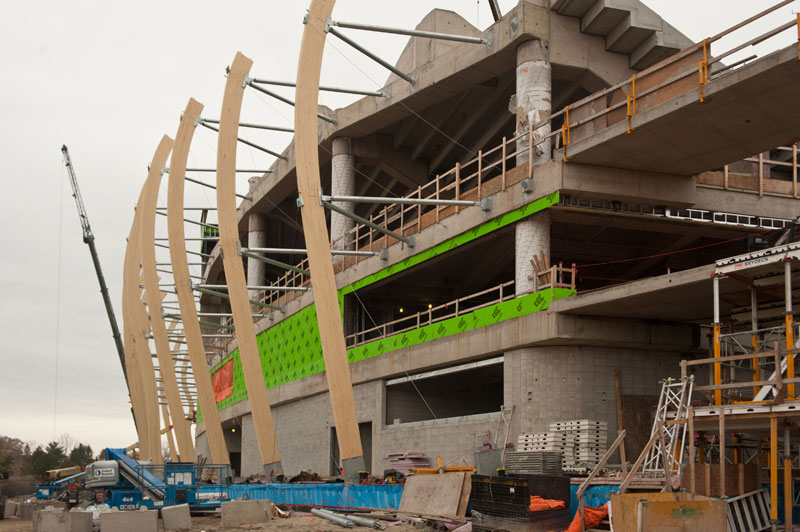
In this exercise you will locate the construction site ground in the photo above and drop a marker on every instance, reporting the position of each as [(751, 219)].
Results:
[(298, 521)]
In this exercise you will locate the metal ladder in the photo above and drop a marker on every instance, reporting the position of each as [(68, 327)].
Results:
[(668, 452)]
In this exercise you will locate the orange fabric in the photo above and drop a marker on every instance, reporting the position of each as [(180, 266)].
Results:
[(539, 505), (592, 517), (223, 381)]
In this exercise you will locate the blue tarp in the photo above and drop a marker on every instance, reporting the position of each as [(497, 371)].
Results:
[(328, 495), (594, 496)]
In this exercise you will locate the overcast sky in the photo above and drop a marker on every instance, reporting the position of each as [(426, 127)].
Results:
[(108, 79)]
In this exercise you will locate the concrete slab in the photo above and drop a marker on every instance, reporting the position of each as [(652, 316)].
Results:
[(242, 513), (61, 521), (10, 509), (176, 517), (25, 510), (140, 521)]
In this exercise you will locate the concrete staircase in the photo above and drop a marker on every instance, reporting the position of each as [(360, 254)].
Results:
[(628, 26)]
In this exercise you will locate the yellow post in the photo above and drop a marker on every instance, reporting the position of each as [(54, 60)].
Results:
[(755, 364), (717, 367), (773, 468), (790, 356)]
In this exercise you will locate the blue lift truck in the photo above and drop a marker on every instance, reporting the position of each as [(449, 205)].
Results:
[(66, 489), (129, 485)]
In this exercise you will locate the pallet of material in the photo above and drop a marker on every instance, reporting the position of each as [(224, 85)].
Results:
[(404, 462), (534, 462)]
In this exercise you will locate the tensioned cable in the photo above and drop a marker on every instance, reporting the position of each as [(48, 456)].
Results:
[(58, 297), (409, 109), (404, 369), (388, 191)]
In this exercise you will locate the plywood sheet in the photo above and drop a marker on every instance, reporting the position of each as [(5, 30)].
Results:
[(433, 494)]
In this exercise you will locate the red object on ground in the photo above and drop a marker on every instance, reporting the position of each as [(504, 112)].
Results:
[(592, 517), (539, 505)]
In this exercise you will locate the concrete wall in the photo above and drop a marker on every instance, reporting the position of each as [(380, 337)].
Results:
[(554, 383)]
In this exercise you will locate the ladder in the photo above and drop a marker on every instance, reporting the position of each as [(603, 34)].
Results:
[(675, 396)]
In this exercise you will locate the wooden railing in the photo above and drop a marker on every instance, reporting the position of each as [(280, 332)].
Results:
[(451, 309), (760, 178)]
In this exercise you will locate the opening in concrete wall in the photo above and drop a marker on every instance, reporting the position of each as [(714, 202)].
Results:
[(232, 431), (365, 432), (464, 390)]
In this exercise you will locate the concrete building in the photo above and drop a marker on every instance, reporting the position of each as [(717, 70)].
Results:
[(455, 339)]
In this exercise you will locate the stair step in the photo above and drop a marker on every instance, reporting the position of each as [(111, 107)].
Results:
[(571, 8), (626, 37), (602, 18), (651, 52)]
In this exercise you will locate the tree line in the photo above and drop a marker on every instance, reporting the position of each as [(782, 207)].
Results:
[(17, 458)]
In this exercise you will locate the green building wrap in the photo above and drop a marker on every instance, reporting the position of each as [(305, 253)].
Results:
[(291, 349)]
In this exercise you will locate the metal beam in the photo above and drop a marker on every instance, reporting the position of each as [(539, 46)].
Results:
[(251, 126), (402, 31), (372, 56), (359, 219), (284, 99), (322, 88), (247, 142)]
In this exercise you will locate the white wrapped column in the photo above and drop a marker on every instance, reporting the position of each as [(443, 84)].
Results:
[(342, 184)]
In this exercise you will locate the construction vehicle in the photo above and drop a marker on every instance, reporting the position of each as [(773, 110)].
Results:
[(63, 485), (88, 238), (128, 484)]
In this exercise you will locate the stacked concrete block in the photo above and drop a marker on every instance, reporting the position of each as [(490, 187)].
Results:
[(141, 521), (243, 513), (25, 510), (10, 509), (61, 521), (590, 437), (176, 517)]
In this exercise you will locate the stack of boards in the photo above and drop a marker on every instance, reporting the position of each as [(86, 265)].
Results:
[(581, 443), (533, 463)]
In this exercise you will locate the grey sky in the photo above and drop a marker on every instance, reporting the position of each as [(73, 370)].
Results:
[(109, 79)]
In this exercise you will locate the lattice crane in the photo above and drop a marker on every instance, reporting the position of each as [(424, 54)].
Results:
[(88, 238)]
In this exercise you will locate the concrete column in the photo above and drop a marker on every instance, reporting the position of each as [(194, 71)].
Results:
[(256, 238), (342, 184), (534, 89), (532, 236)]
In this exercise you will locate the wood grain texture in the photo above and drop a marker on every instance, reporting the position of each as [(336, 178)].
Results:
[(137, 345), (173, 450), (331, 333), (433, 494), (180, 272), (132, 365), (166, 365), (232, 262)]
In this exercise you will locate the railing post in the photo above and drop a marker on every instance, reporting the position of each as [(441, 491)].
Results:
[(371, 231), (438, 181), (504, 164), (574, 275), (725, 177), (480, 171), (794, 166), (761, 174), (419, 209), (458, 185), (530, 150)]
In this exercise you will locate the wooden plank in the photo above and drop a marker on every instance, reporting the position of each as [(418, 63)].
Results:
[(166, 365), (433, 494), (337, 370), (180, 272), (132, 366), (137, 328), (466, 491), (232, 262)]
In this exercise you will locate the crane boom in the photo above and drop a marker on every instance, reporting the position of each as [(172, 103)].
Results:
[(88, 238)]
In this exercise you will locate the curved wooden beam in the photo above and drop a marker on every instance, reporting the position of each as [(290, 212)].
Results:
[(234, 270), (147, 245), (137, 346), (132, 366), (180, 271), (320, 261)]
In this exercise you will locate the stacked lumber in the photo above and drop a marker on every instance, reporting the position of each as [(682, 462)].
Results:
[(404, 462), (591, 441)]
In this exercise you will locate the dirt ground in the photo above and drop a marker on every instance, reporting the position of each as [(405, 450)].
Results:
[(299, 521)]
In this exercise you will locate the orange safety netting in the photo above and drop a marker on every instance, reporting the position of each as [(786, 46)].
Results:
[(223, 381), (539, 505), (592, 516)]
